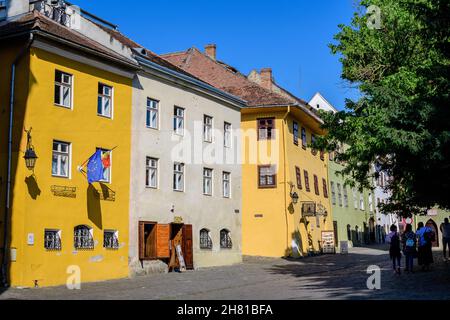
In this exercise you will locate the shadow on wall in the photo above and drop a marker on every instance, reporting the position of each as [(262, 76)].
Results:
[(33, 187), (94, 208)]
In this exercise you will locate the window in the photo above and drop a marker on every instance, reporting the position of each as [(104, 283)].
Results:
[(355, 199), (345, 197), (313, 140), (305, 173), (207, 181), (316, 185), (178, 120), (151, 179), (325, 188), (295, 130), (207, 128), (107, 164), (83, 237), (304, 142), (299, 177), (225, 239), (205, 239), (333, 193), (266, 129), (226, 182), (105, 102), (178, 176), (152, 116), (111, 239), (370, 203), (52, 240), (331, 155), (227, 135), (63, 89), (339, 189), (267, 177), (322, 155), (61, 159), (361, 201)]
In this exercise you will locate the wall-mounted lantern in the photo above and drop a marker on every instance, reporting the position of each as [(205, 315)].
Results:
[(30, 156), (293, 194)]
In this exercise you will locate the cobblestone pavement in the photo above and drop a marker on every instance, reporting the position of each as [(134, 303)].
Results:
[(321, 277)]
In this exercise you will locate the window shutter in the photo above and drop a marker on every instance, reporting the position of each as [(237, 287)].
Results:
[(162, 240), (299, 177), (188, 246)]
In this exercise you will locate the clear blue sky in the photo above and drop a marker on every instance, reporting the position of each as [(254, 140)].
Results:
[(291, 36)]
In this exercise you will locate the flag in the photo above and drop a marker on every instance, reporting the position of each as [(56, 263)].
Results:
[(95, 167), (106, 159)]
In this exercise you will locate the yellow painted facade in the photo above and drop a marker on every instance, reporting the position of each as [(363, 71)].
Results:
[(270, 219), (35, 207)]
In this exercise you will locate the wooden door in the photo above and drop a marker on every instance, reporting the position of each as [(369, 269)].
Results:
[(336, 238), (162, 241), (188, 246)]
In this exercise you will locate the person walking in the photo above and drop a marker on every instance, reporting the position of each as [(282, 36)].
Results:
[(425, 237), (394, 249), (409, 248), (445, 229)]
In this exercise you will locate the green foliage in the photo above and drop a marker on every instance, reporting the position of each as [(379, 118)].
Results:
[(401, 122)]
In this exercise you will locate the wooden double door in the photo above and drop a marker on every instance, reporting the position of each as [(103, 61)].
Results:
[(159, 241)]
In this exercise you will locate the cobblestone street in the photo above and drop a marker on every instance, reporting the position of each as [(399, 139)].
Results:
[(321, 277)]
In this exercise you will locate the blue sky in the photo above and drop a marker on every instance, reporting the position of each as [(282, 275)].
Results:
[(290, 36)]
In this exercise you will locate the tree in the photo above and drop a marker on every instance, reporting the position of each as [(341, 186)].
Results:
[(401, 121)]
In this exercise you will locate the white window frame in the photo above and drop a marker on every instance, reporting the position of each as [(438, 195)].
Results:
[(226, 180), (152, 108), (361, 201), (355, 199), (333, 193), (63, 85), (149, 167), (109, 180), (105, 96), (339, 190), (227, 135), (60, 153), (179, 172), (177, 119), (208, 128), (370, 203), (207, 178), (345, 196)]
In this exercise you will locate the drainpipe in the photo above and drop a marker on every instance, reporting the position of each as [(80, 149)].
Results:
[(4, 267), (285, 177)]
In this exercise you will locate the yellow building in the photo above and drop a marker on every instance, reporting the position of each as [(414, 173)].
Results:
[(285, 187), (72, 96)]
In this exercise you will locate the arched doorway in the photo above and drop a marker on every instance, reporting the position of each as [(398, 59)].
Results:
[(431, 224), (372, 230)]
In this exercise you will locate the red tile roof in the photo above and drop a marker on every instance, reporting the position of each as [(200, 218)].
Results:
[(226, 78)]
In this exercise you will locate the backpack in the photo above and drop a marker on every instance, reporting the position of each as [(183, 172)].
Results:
[(410, 242)]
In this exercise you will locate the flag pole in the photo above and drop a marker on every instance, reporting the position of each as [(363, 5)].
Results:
[(80, 168)]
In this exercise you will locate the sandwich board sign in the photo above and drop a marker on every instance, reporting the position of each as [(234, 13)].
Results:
[(328, 242), (180, 258)]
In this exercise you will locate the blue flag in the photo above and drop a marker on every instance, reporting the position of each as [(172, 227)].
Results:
[(95, 167)]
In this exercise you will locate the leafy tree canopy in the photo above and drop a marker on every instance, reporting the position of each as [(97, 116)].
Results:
[(401, 121)]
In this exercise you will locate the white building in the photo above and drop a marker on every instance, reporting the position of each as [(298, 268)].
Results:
[(318, 102)]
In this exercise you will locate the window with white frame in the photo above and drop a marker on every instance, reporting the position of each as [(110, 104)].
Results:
[(207, 128), (207, 181), (178, 120), (333, 193), (370, 203), (83, 237), (63, 89), (355, 198), (345, 197), (205, 240), (225, 239), (152, 116), (361, 201), (339, 189), (226, 181), (178, 176), (52, 239), (151, 178), (107, 165), (227, 135), (105, 100), (61, 159), (111, 239)]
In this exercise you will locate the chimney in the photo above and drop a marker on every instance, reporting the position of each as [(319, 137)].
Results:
[(266, 78), (210, 51)]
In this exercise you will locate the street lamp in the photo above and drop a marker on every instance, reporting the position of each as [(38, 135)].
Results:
[(294, 197), (30, 156)]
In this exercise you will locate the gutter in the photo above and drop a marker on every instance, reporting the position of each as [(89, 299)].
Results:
[(4, 267), (285, 176), (154, 66)]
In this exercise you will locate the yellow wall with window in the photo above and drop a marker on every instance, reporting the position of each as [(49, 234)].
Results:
[(270, 220), (35, 207)]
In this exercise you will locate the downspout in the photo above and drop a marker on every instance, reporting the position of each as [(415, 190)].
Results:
[(4, 267), (285, 177)]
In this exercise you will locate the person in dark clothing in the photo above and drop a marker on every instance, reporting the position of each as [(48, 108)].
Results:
[(409, 248), (445, 229), (425, 236), (394, 249)]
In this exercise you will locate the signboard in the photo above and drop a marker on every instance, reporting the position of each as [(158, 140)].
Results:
[(432, 212), (178, 220), (328, 242), (344, 247), (308, 209), (180, 258)]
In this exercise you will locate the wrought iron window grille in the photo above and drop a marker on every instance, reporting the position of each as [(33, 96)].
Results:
[(83, 238), (52, 240), (110, 240), (225, 240), (205, 240)]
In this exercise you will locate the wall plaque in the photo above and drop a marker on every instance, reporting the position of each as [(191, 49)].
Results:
[(62, 191)]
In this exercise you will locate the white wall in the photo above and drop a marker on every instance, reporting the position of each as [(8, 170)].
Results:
[(320, 103), (17, 7), (213, 213)]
